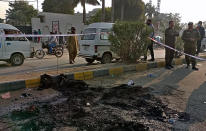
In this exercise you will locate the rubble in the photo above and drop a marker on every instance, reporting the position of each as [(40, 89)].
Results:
[(121, 108)]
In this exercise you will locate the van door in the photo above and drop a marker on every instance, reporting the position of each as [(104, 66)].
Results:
[(1, 44), (1, 47), (20, 45), (104, 44)]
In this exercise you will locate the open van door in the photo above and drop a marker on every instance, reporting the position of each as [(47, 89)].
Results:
[(1, 44)]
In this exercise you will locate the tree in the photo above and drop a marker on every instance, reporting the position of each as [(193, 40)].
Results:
[(103, 10), (20, 13), (150, 10), (129, 10), (113, 10), (83, 3), (129, 40), (98, 16), (58, 6)]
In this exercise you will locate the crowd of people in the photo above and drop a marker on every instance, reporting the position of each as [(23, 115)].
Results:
[(191, 37)]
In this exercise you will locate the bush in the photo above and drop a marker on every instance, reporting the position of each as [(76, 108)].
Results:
[(129, 40), (179, 45)]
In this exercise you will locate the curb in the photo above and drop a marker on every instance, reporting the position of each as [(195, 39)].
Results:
[(88, 75)]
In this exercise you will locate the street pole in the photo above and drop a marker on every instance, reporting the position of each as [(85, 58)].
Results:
[(37, 5), (113, 10), (103, 10)]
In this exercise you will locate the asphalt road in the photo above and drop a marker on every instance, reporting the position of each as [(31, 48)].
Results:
[(50, 63), (180, 88)]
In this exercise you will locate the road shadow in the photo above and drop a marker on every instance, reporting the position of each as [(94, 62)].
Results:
[(170, 81), (196, 107), (4, 65)]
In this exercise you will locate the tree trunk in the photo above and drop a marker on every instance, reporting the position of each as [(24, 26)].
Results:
[(113, 8), (103, 10), (122, 10), (84, 11)]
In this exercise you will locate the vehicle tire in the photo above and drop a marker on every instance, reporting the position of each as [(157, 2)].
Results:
[(58, 53), (17, 59), (39, 54), (89, 61), (106, 58)]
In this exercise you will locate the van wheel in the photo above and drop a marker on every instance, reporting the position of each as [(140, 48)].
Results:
[(106, 58), (17, 59), (90, 61)]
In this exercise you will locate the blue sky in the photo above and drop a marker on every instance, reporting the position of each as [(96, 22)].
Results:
[(190, 10)]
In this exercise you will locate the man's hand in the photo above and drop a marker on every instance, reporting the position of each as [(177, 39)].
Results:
[(192, 39)]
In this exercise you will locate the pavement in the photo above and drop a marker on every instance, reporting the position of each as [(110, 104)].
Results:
[(180, 88), (33, 67)]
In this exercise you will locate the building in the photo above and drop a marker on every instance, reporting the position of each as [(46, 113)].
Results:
[(55, 22)]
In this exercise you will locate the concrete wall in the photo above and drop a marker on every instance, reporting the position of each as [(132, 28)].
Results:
[(65, 22)]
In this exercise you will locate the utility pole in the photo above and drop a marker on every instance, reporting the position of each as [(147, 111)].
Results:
[(37, 5), (103, 10), (113, 10), (158, 5)]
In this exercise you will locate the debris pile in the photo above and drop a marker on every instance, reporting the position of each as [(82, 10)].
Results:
[(121, 108)]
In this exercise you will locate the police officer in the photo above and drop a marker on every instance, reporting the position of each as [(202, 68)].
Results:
[(190, 37), (201, 29), (170, 37), (150, 45)]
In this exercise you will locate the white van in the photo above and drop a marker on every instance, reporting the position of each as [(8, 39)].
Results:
[(13, 50), (97, 46)]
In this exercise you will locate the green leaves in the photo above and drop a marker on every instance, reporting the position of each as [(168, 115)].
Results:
[(129, 40), (20, 13), (59, 6), (97, 17)]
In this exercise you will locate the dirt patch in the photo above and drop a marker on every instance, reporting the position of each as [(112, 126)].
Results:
[(121, 108)]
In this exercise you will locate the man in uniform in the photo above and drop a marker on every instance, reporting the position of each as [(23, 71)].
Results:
[(72, 45), (170, 37), (150, 45), (201, 29), (190, 37)]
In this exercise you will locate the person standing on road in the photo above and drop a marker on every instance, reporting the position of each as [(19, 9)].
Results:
[(35, 38), (72, 46), (150, 45), (61, 39), (170, 38), (201, 29), (190, 37), (39, 33)]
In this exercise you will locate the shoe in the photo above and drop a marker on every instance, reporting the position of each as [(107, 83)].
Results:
[(171, 66), (71, 62), (152, 60), (195, 68), (188, 66), (168, 67), (144, 59)]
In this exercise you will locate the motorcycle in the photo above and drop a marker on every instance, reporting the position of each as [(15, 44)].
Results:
[(57, 51)]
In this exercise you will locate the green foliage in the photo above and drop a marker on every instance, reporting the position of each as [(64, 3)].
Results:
[(58, 6), (91, 2), (129, 40), (163, 21), (150, 10), (20, 13), (98, 16), (129, 10)]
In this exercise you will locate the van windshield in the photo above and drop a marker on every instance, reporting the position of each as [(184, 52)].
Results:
[(90, 36), (12, 32)]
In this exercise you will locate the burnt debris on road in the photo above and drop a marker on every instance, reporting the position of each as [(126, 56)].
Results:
[(121, 108)]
